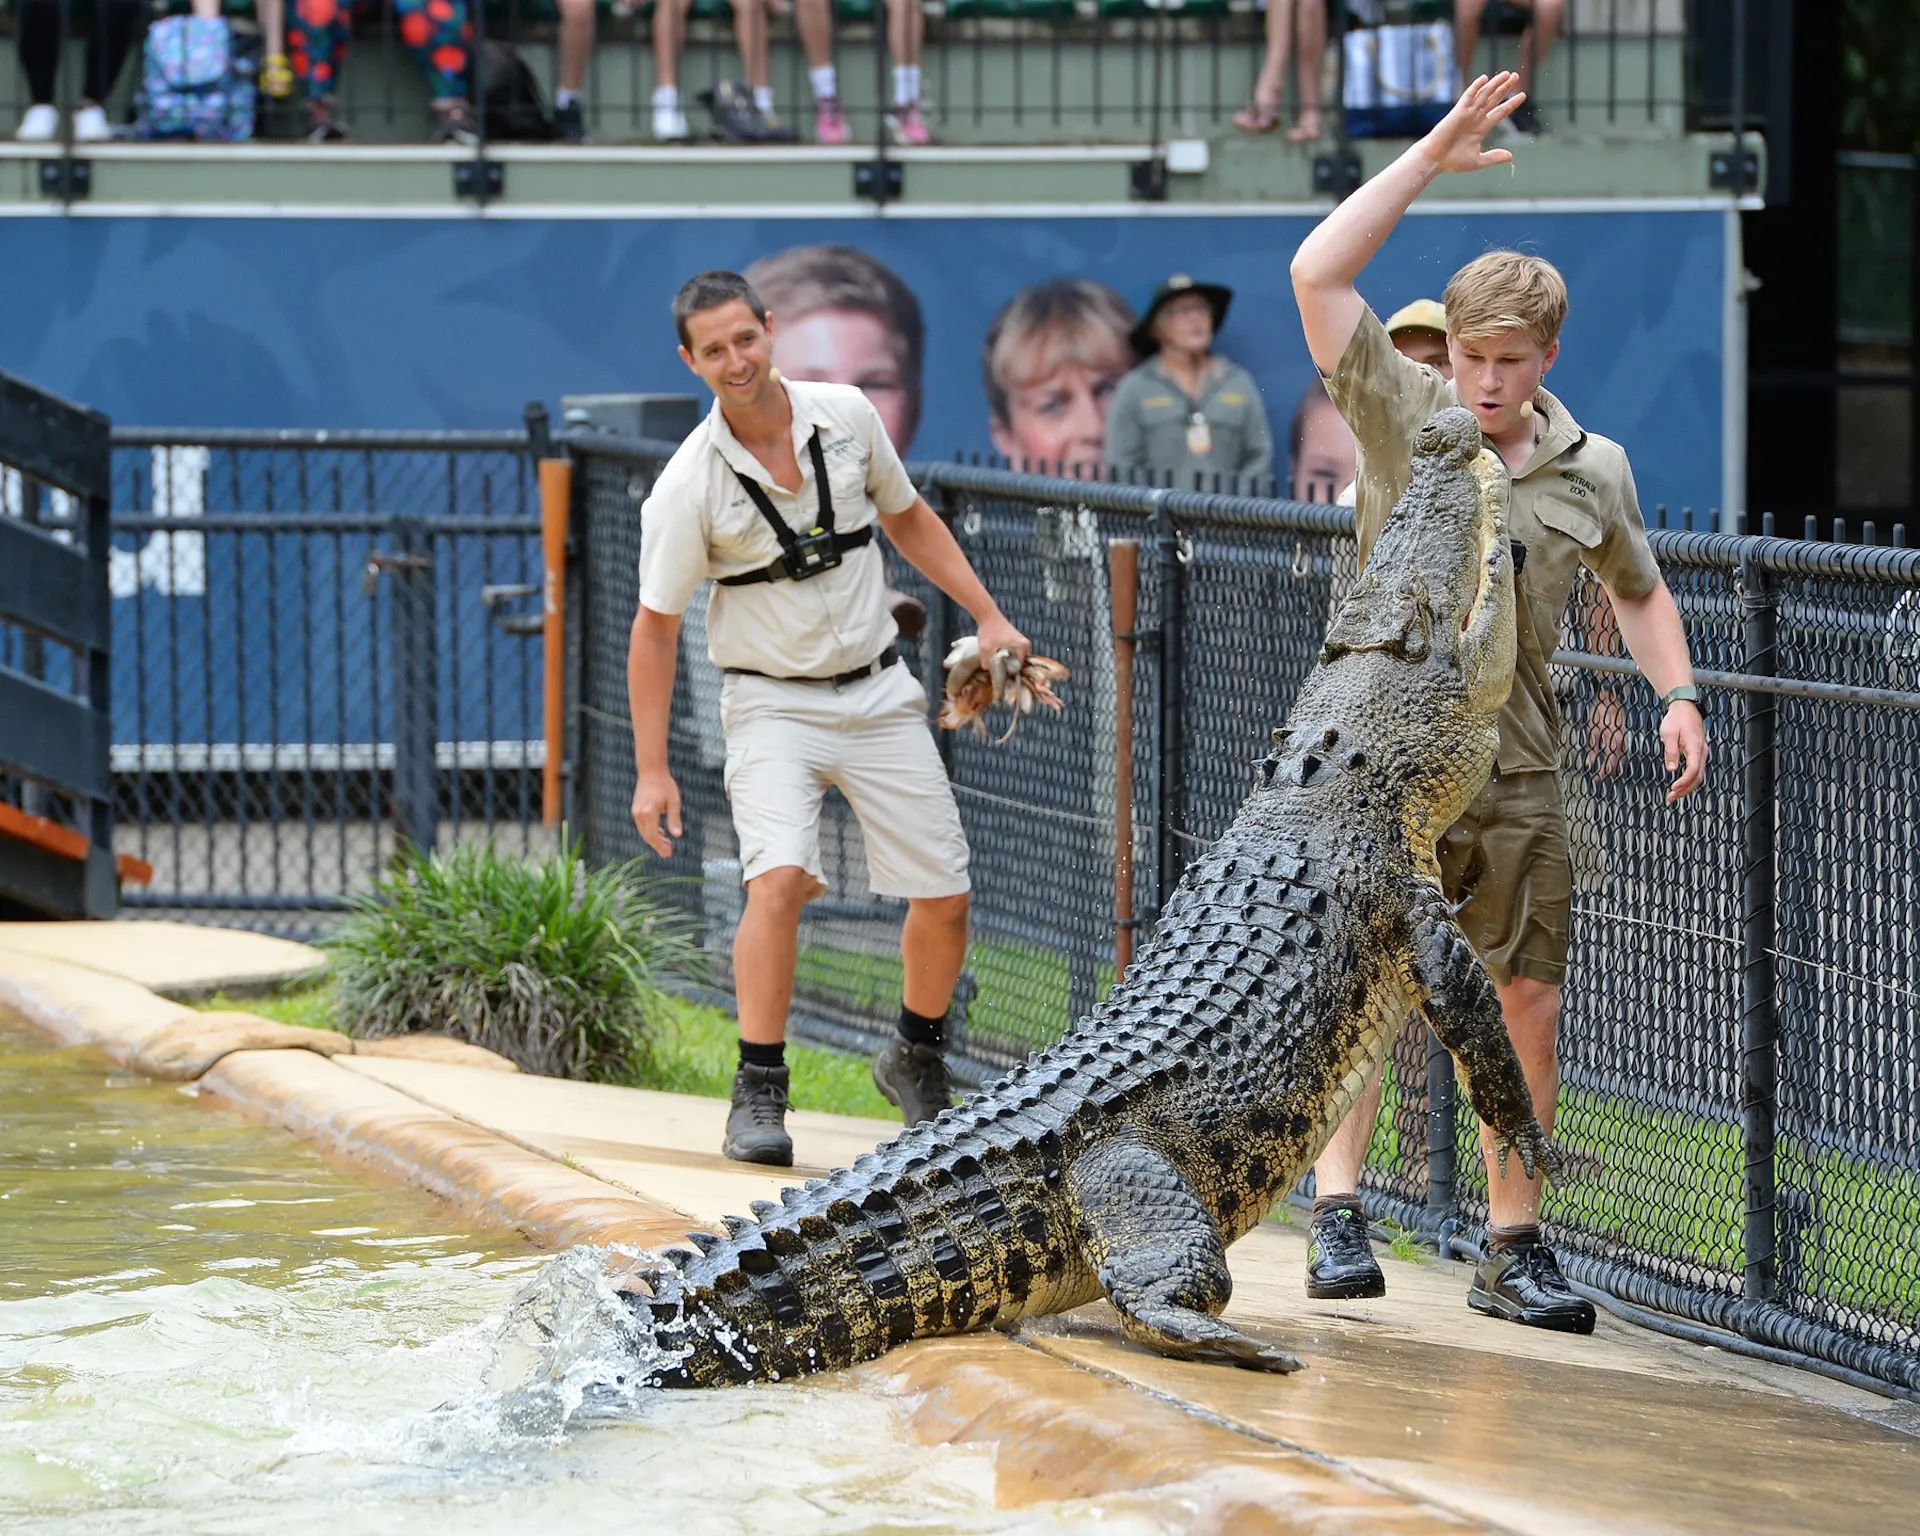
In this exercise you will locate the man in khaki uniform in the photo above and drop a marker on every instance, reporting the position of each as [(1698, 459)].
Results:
[(776, 498), (1573, 504)]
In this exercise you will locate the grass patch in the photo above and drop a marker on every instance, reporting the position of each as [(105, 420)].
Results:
[(551, 964), (311, 1005)]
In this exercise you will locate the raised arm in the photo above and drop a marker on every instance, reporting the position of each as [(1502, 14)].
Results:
[(1331, 258)]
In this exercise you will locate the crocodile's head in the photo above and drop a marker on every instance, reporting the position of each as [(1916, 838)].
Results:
[(1420, 656)]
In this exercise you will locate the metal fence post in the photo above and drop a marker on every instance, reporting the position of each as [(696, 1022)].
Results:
[(1443, 1136), (1758, 923), (415, 673), (1172, 795)]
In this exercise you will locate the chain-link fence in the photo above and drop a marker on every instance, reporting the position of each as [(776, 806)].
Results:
[(324, 644), (1740, 1043)]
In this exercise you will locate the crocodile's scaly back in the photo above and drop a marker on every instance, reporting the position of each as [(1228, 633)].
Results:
[(1124, 1159)]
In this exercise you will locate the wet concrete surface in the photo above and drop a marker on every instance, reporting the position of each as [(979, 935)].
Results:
[(1498, 1426)]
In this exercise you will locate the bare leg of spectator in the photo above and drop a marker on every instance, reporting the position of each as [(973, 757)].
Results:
[(750, 37), (1288, 26), (813, 20), (669, 33), (276, 74), (576, 48), (906, 36), (1537, 39), (1466, 37)]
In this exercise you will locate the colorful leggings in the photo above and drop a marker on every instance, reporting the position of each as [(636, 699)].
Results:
[(436, 31)]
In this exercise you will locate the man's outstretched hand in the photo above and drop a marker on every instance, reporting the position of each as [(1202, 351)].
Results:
[(1454, 144)]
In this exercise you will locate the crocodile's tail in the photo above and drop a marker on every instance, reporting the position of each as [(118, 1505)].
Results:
[(853, 1266)]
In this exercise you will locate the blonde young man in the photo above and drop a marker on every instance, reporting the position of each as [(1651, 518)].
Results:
[(776, 497), (1573, 504)]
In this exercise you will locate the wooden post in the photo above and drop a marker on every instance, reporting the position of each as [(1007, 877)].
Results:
[(1123, 582), (556, 499)]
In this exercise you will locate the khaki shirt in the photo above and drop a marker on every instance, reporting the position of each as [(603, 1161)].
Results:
[(1573, 504), (1148, 420), (699, 523)]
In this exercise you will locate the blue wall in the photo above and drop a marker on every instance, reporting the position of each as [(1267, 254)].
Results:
[(457, 323)]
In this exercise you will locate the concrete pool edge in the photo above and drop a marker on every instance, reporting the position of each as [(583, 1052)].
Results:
[(982, 1389)]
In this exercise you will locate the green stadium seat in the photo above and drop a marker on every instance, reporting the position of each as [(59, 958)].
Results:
[(1177, 10)]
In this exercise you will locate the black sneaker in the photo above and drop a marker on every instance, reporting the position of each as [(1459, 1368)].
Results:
[(1523, 1284), (914, 1077), (1340, 1261), (570, 123), (1526, 120), (757, 1127)]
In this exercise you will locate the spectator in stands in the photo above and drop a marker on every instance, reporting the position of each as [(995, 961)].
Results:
[(41, 25), (670, 36), (1052, 360), (1186, 411), (276, 71), (1303, 25), (906, 36), (436, 32), (845, 318), (1320, 448), (1536, 21), (576, 48)]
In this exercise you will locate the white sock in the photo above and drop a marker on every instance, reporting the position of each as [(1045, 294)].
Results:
[(564, 98), (825, 82), (906, 84), (666, 97), (763, 97)]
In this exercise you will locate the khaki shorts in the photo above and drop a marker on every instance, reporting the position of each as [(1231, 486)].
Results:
[(1506, 857), (787, 743)]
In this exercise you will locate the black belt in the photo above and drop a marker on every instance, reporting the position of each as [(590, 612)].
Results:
[(839, 680)]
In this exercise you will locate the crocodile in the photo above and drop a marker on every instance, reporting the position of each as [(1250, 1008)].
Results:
[(1123, 1160)]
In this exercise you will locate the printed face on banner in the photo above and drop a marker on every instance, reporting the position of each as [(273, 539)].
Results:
[(1053, 357), (1323, 458)]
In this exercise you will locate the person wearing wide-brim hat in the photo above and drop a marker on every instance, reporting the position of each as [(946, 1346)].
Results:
[(1186, 412)]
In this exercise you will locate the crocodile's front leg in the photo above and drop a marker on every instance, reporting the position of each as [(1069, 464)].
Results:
[(1158, 1255), (1455, 993)]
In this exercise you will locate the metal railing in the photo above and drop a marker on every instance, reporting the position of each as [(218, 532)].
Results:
[(324, 644), (1015, 71), (1740, 1042)]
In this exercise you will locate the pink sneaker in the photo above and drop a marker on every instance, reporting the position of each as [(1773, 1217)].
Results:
[(829, 122), (908, 126)]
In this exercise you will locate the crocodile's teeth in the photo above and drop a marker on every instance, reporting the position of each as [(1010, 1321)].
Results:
[(706, 1242), (735, 1225)]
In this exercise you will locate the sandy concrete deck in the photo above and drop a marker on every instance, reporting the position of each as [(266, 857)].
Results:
[(174, 959), (1413, 1414)]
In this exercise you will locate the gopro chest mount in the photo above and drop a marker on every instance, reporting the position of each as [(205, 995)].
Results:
[(802, 555)]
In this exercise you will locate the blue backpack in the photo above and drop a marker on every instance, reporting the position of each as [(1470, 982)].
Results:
[(193, 82)]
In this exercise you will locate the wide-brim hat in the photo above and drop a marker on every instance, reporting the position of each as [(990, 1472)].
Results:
[(1179, 284)]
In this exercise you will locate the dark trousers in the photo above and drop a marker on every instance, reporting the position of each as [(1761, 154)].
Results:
[(111, 33)]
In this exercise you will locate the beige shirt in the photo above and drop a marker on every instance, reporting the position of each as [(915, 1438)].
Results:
[(1573, 504), (699, 523)]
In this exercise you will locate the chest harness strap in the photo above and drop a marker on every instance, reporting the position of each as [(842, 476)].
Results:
[(801, 555)]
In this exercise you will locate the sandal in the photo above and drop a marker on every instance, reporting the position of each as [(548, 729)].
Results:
[(276, 77), (1256, 118)]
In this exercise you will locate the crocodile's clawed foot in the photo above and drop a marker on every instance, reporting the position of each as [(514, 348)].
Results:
[(1540, 1155), (1188, 1335)]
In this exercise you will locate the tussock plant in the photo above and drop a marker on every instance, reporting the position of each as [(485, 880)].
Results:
[(551, 964)]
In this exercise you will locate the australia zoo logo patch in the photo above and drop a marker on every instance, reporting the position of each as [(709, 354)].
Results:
[(1580, 485)]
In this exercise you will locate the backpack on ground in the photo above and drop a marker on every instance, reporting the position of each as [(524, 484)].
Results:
[(510, 102), (197, 81)]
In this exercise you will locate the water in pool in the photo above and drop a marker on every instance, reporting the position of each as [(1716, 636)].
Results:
[(206, 1327)]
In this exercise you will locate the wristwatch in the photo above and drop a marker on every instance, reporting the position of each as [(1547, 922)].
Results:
[(1674, 695)]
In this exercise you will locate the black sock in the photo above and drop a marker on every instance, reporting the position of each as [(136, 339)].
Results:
[(921, 1030), (1499, 1239), (753, 1054), (1325, 1204)]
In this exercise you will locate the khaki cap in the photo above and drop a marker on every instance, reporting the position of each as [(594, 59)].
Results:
[(1420, 315)]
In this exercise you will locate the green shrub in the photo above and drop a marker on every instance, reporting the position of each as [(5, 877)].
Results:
[(544, 961)]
